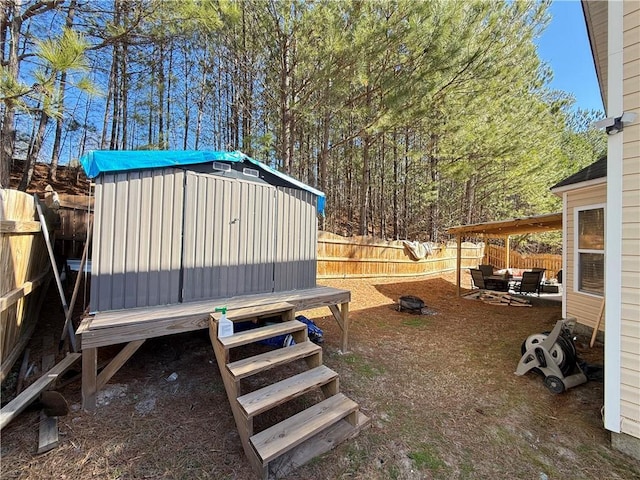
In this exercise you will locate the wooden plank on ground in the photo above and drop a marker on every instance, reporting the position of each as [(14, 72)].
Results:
[(18, 404), (48, 436), (48, 361)]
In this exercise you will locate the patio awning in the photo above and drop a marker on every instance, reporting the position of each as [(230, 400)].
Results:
[(504, 228), (538, 223)]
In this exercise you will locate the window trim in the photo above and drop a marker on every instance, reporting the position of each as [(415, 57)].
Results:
[(577, 251)]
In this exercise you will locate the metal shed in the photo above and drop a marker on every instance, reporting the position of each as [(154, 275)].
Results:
[(178, 226)]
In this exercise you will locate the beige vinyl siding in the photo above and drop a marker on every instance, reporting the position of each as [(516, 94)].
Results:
[(630, 308), (583, 307)]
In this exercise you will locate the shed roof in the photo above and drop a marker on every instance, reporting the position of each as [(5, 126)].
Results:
[(592, 172), (113, 161), (538, 223)]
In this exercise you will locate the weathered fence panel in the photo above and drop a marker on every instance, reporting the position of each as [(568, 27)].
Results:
[(24, 269), (76, 213), (353, 257), (496, 255)]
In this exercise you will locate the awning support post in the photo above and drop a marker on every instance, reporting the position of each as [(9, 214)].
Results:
[(507, 251), (458, 261)]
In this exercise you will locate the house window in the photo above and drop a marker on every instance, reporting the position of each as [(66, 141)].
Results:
[(590, 250)]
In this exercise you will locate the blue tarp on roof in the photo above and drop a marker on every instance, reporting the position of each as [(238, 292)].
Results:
[(102, 161)]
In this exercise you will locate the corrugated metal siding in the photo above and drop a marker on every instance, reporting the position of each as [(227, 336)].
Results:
[(229, 237), (239, 238), (296, 240), (137, 239)]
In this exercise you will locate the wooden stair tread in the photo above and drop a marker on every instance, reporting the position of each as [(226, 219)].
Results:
[(262, 333), (289, 433), (239, 314), (265, 361), (319, 444), (268, 397)]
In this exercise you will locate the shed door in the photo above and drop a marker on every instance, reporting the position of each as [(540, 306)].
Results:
[(229, 237)]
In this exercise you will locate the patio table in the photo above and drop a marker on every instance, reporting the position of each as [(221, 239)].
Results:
[(501, 283)]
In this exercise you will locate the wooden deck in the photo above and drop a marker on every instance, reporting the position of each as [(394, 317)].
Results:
[(133, 326)]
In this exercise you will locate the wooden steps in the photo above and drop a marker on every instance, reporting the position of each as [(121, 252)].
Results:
[(305, 435), (274, 358), (276, 394), (280, 438), (258, 334)]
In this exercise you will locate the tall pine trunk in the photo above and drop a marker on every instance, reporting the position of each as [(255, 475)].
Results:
[(34, 150), (57, 141), (285, 106), (8, 120)]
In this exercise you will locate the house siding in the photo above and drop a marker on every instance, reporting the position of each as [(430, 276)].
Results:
[(630, 308), (583, 307)]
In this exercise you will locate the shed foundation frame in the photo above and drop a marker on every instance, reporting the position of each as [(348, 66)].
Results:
[(133, 326)]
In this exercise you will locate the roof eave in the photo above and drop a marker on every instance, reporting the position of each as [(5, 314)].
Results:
[(576, 186)]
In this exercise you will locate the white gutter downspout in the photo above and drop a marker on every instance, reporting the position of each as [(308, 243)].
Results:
[(613, 235)]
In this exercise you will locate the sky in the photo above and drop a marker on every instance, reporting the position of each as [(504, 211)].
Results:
[(564, 46)]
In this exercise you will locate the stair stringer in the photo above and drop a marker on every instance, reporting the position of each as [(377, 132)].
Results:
[(298, 454)]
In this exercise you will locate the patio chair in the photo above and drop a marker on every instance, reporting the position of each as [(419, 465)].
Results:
[(478, 278), (541, 270), (487, 270), (530, 282)]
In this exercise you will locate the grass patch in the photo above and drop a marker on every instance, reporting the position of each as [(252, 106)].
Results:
[(357, 458), (417, 322), (466, 469), (425, 457), (393, 472), (362, 367)]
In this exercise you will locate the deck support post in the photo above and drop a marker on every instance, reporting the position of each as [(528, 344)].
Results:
[(342, 317), (117, 362), (134, 326), (89, 378)]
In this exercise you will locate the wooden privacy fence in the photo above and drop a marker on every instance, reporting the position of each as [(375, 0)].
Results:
[(76, 213), (496, 255), (353, 257), (24, 269)]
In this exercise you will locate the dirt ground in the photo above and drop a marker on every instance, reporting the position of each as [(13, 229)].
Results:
[(440, 390)]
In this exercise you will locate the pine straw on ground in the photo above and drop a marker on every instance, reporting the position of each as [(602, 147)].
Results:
[(440, 391)]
